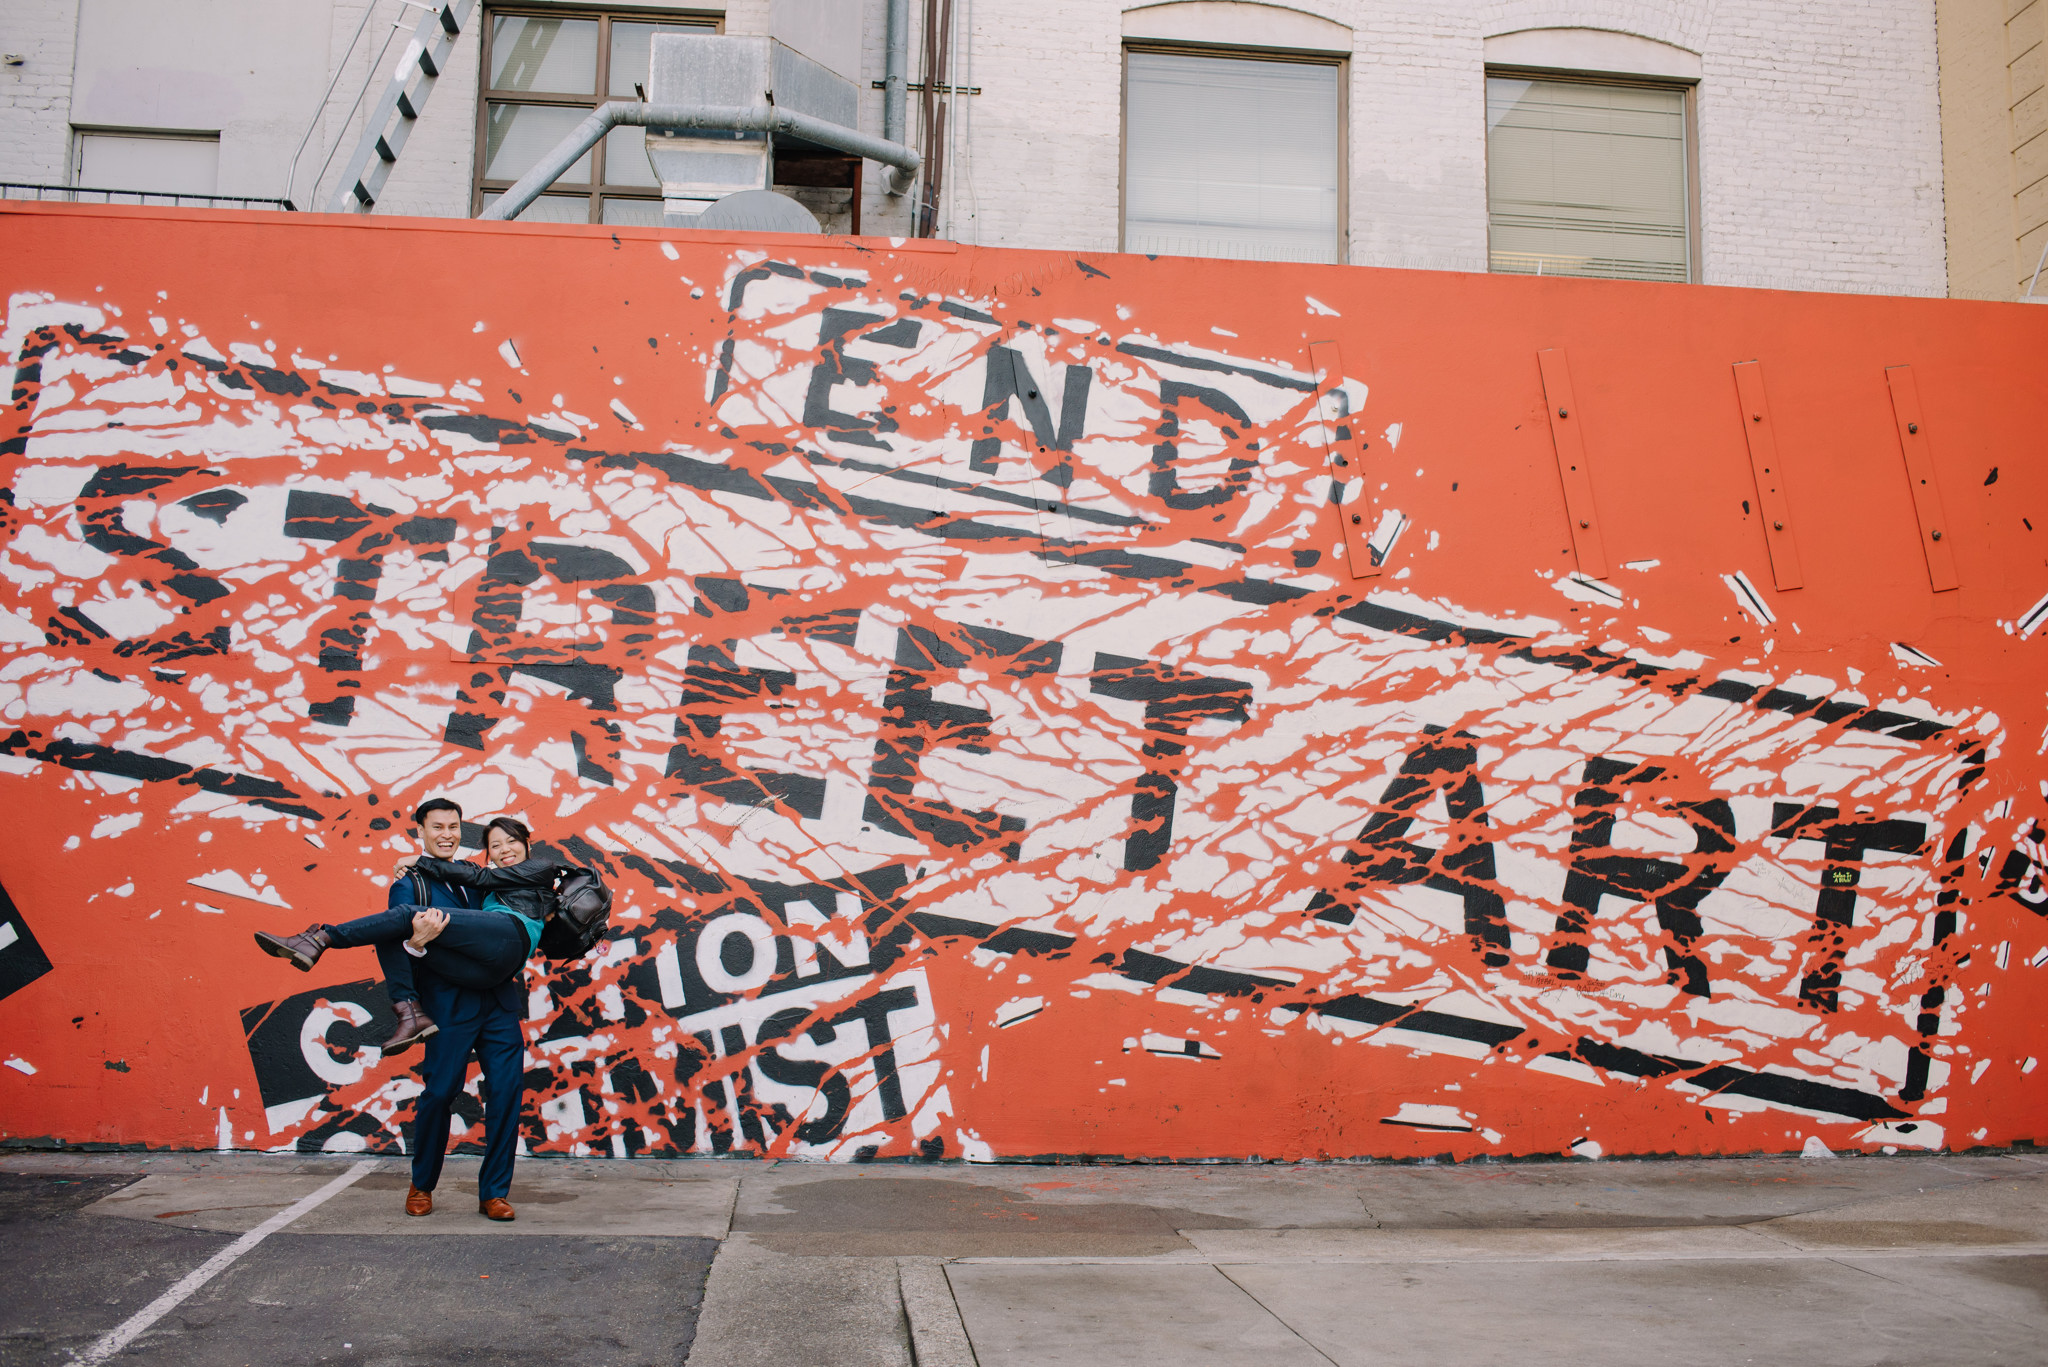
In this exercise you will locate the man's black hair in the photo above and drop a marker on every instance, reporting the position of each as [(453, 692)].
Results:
[(436, 804)]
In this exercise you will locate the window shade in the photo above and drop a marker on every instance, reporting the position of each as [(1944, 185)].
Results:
[(554, 55), (1585, 179), (1231, 157), (517, 136), (181, 166)]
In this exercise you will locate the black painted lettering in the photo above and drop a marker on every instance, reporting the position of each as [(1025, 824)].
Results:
[(1676, 886), (1445, 763), (1174, 700), (1834, 908)]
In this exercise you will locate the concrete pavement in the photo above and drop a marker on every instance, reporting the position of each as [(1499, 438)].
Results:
[(728, 1263), (605, 1264)]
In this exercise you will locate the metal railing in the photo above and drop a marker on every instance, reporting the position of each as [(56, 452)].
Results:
[(92, 194), (320, 111)]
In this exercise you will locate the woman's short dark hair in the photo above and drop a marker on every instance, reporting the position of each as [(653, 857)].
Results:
[(512, 827)]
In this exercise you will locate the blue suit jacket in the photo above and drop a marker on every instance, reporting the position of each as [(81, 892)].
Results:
[(445, 1002)]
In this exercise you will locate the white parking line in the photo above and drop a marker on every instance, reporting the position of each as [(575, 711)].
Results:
[(211, 1268)]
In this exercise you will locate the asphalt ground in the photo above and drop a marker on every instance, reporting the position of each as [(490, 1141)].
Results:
[(601, 1272), (724, 1263)]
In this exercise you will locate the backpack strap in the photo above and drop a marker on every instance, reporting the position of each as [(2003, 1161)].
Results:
[(419, 887)]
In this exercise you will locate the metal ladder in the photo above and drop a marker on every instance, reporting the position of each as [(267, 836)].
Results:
[(405, 95)]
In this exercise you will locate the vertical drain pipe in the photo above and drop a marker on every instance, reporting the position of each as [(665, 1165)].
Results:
[(894, 66)]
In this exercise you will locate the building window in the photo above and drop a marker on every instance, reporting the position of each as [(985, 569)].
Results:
[(544, 71), (147, 163), (1233, 156), (1585, 178)]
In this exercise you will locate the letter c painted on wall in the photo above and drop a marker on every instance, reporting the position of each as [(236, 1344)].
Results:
[(313, 1044)]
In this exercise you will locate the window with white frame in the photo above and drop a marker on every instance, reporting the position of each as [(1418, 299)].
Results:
[(1587, 178), (544, 71), (1233, 155)]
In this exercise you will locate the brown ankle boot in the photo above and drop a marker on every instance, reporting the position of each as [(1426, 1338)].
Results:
[(413, 1026), (303, 949)]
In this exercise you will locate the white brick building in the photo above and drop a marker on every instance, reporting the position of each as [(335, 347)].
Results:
[(1811, 148)]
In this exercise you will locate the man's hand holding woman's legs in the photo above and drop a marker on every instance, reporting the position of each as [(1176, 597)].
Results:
[(427, 923)]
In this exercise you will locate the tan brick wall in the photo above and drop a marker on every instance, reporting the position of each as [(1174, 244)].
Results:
[(1994, 130), (1976, 148), (2026, 28)]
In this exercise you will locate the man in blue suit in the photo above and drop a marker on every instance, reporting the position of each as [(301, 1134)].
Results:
[(454, 1021), (485, 1023)]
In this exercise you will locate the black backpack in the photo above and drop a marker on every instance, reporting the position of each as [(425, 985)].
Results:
[(583, 911)]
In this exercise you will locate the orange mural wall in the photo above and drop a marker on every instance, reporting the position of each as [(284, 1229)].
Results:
[(1025, 703)]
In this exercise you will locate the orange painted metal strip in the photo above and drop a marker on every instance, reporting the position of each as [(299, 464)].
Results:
[(1767, 465), (1357, 513), (1934, 528), (1571, 463)]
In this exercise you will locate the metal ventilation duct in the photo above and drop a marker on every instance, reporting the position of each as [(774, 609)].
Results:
[(699, 166), (718, 108)]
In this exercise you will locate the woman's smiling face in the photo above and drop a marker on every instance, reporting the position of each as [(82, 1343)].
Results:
[(503, 851)]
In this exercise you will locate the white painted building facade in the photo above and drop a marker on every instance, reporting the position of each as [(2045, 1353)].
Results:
[(1811, 140)]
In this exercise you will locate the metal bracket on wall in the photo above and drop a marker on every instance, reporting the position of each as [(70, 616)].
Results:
[(1357, 514), (1571, 463), (1934, 528), (1766, 465)]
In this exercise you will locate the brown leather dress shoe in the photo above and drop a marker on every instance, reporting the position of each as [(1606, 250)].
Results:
[(418, 1202), (413, 1026), (303, 949), (496, 1208)]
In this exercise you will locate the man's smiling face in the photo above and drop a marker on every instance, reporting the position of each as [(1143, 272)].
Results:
[(441, 834)]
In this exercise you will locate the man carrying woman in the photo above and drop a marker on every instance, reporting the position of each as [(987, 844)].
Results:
[(451, 945)]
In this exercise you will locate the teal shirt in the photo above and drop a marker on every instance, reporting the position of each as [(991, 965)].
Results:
[(492, 902)]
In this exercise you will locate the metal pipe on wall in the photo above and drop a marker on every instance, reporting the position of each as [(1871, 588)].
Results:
[(894, 66), (950, 196), (904, 161)]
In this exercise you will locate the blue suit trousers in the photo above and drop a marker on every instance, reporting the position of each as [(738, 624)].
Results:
[(469, 980), (493, 1035)]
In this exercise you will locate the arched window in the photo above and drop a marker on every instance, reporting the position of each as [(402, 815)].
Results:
[(1589, 161), (1234, 132)]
